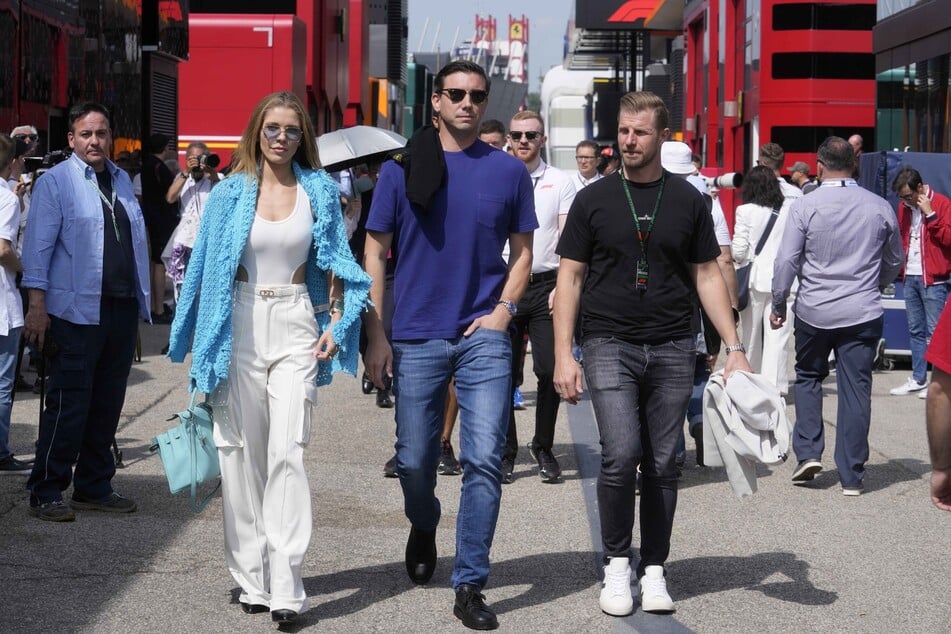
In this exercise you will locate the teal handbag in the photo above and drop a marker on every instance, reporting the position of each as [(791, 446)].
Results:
[(188, 452)]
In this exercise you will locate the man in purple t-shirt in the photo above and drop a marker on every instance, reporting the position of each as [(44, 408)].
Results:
[(454, 296)]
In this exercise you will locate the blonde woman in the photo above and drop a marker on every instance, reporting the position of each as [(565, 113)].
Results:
[(271, 304)]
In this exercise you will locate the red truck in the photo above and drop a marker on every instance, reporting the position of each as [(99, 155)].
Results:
[(234, 60)]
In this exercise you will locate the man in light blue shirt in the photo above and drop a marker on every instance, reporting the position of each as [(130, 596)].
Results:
[(843, 243), (86, 269)]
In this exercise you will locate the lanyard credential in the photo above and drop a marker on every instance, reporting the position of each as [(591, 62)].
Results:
[(110, 204), (642, 273)]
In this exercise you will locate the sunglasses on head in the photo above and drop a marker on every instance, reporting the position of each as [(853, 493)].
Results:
[(271, 132), (531, 135), (458, 94)]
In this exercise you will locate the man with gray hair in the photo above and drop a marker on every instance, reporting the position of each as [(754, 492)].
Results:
[(842, 243), (190, 188), (20, 180)]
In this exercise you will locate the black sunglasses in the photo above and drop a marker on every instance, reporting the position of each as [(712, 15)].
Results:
[(24, 137), (531, 135), (458, 94)]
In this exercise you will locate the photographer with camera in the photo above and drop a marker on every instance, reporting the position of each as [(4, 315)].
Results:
[(27, 140), (190, 190), (85, 264)]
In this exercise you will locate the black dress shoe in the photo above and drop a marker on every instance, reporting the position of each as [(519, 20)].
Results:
[(254, 608), (383, 399), (367, 384), (421, 555), (471, 609), (284, 617)]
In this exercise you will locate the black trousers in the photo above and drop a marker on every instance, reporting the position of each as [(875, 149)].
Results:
[(534, 318), (88, 376)]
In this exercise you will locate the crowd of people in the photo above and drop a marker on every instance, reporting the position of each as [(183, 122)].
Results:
[(278, 277)]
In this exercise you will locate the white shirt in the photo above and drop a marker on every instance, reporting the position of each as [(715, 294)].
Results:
[(913, 262), (192, 203), (719, 224), (581, 182), (790, 191), (11, 305), (554, 193), (750, 224), (275, 249)]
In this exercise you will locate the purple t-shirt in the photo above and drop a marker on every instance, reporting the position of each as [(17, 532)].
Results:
[(449, 269)]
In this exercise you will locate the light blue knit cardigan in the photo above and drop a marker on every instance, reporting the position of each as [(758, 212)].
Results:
[(205, 302)]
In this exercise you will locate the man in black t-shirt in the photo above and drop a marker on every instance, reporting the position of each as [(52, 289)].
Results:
[(639, 248)]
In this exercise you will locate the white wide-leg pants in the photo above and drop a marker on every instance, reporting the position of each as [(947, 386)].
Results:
[(271, 394), (766, 349)]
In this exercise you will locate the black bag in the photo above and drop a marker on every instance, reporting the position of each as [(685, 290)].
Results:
[(743, 273)]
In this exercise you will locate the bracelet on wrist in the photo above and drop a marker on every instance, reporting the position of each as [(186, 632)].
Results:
[(336, 305)]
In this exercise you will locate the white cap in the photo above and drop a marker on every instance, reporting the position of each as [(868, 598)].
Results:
[(677, 157)]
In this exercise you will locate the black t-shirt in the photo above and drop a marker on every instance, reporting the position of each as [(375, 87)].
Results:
[(601, 232), (118, 263)]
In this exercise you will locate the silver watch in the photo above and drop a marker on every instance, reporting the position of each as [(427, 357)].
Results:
[(512, 307), (736, 347)]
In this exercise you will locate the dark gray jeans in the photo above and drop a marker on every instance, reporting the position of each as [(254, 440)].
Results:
[(640, 394)]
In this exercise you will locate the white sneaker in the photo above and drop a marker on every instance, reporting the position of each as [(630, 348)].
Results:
[(908, 387), (653, 589), (616, 598), (923, 393)]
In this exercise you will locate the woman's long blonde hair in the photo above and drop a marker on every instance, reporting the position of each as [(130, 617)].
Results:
[(247, 156)]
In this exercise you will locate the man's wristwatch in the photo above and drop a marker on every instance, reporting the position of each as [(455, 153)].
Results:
[(512, 307), (736, 347)]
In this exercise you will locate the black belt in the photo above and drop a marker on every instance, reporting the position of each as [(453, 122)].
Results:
[(544, 276)]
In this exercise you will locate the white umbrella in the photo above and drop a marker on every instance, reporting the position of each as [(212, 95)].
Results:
[(347, 147)]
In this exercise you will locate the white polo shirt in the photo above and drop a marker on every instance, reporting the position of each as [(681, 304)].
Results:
[(554, 193), (11, 305), (581, 182)]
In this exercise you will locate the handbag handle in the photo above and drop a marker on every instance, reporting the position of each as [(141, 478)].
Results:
[(193, 437)]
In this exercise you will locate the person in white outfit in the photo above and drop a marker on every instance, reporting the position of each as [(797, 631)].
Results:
[(766, 348), (271, 252), (190, 190)]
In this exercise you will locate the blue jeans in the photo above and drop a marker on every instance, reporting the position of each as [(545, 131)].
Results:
[(482, 367), (639, 394), (854, 348), (923, 306), (9, 347)]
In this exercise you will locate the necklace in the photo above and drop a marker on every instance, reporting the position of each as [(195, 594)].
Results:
[(110, 204), (642, 273)]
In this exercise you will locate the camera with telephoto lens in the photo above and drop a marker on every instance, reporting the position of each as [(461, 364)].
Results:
[(36, 166), (730, 180), (209, 160), (36, 163), (206, 160)]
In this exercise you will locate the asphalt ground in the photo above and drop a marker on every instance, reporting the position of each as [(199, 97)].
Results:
[(789, 559)]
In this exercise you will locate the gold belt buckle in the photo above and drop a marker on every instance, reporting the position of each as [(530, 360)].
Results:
[(266, 292)]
